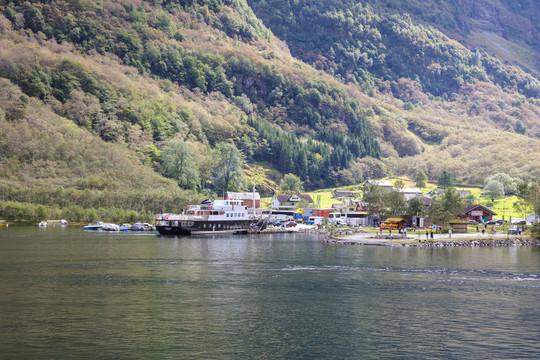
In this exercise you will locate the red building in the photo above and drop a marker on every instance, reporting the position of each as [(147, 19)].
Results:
[(246, 198), (479, 213), (322, 212)]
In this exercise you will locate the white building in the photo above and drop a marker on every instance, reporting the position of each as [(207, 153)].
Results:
[(410, 193)]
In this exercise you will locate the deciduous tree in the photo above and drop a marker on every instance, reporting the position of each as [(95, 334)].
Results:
[(494, 189), (178, 161), (373, 198), (416, 207), (449, 207), (228, 171), (291, 184)]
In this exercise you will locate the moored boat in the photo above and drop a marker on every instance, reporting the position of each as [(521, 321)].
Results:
[(142, 227), (96, 226), (219, 216), (110, 227), (125, 227)]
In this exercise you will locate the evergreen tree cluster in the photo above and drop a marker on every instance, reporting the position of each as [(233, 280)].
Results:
[(311, 160)]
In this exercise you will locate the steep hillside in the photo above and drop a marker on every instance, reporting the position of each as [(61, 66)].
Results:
[(507, 29), (360, 44), (92, 92), (460, 105), (219, 53)]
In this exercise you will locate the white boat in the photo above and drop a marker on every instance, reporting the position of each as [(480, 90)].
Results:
[(96, 226), (219, 216), (42, 224), (125, 227), (142, 227), (110, 227)]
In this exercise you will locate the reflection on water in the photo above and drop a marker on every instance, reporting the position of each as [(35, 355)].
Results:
[(66, 293)]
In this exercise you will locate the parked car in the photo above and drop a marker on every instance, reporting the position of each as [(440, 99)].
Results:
[(514, 230), (290, 224), (473, 222)]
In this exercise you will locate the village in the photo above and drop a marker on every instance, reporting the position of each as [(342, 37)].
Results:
[(354, 209)]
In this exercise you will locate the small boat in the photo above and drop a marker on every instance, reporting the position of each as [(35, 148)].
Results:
[(110, 227), (142, 227), (96, 226), (61, 222), (42, 224), (125, 227)]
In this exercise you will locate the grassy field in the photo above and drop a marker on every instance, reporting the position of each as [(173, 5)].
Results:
[(503, 206)]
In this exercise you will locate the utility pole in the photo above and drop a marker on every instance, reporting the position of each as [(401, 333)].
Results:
[(254, 197)]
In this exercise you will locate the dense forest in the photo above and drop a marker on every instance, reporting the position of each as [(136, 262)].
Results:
[(135, 104)]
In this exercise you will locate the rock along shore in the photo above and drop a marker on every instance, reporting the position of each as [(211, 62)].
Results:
[(493, 241)]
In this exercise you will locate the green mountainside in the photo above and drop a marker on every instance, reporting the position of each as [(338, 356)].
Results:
[(95, 96)]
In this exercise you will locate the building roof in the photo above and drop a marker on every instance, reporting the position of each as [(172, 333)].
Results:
[(383, 183), (472, 207), (285, 197), (350, 202), (394, 219), (242, 196), (409, 190), (306, 197), (427, 200), (342, 192)]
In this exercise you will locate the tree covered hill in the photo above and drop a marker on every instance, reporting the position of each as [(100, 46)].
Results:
[(92, 93)]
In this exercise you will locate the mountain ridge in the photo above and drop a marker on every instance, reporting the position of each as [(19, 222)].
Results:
[(204, 72)]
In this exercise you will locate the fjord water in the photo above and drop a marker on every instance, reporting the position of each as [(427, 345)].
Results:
[(66, 293)]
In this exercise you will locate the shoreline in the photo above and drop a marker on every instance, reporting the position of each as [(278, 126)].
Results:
[(457, 240)]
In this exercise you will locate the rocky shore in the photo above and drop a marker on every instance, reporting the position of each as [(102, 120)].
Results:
[(493, 241), (360, 237), (477, 243)]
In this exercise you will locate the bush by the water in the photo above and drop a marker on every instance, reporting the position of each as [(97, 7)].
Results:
[(535, 230), (31, 213)]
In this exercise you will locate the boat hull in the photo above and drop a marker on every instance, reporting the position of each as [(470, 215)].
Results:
[(172, 230), (205, 227), (92, 228)]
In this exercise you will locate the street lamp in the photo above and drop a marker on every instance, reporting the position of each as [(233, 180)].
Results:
[(504, 211)]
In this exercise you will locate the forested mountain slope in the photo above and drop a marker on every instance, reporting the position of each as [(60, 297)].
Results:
[(507, 29), (455, 100), (93, 93)]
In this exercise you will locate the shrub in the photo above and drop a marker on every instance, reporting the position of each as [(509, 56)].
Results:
[(535, 230)]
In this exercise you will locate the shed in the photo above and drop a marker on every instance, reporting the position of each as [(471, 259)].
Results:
[(393, 223), (459, 226)]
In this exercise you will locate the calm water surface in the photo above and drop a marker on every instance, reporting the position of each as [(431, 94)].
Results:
[(66, 294)]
